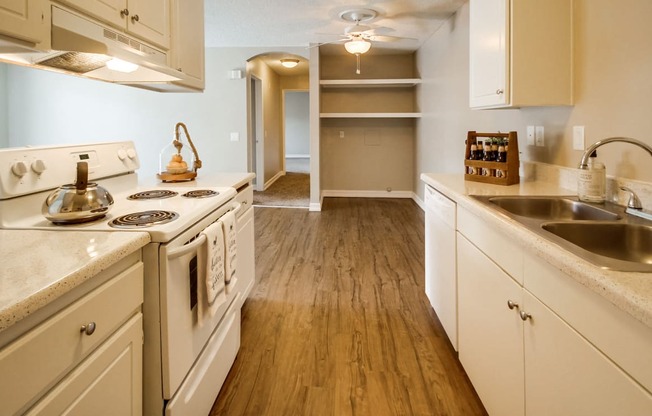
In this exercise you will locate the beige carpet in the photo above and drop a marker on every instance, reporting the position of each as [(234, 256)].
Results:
[(291, 190)]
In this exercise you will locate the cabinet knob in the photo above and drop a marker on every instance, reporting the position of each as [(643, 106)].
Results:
[(499, 91), (88, 329), (124, 12), (511, 304), (135, 18), (525, 316)]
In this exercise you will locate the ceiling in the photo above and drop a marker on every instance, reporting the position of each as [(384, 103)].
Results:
[(298, 23)]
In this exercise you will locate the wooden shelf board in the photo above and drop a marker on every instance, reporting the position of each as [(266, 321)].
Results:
[(370, 115), (369, 83)]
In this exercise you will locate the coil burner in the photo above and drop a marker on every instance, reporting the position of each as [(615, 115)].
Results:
[(153, 194), (143, 219), (201, 193)]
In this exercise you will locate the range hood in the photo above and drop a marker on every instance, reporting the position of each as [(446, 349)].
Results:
[(82, 47)]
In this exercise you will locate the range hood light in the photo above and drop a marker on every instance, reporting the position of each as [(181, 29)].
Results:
[(119, 65)]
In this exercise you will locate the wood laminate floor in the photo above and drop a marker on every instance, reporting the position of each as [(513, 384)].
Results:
[(338, 322)]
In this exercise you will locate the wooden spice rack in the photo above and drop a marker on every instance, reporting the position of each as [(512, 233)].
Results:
[(509, 168)]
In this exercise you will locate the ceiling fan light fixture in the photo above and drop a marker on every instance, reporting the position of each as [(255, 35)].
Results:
[(357, 46), (289, 63)]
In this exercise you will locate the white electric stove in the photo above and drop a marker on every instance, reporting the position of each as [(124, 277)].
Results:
[(187, 351)]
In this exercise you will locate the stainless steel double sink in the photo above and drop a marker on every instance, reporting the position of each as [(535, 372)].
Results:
[(602, 234)]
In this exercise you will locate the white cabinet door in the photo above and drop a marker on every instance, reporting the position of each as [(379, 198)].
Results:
[(246, 253), (187, 45), (441, 267), (490, 335), (24, 19), (150, 20), (489, 54), (108, 11), (566, 375), (108, 383), (146, 19)]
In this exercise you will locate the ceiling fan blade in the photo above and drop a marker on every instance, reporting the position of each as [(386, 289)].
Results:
[(382, 38), (326, 43)]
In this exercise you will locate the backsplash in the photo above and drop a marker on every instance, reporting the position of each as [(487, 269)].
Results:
[(567, 178)]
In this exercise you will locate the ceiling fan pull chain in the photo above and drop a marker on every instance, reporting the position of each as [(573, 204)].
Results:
[(357, 57)]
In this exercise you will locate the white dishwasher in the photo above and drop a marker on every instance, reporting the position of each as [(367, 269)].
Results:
[(441, 260)]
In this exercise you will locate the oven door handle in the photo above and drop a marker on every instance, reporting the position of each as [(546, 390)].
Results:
[(180, 251), (237, 207)]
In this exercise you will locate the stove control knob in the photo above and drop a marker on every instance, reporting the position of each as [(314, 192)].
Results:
[(38, 166), (122, 154), (131, 152), (19, 168)]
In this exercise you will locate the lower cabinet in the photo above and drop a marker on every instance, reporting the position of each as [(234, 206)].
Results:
[(109, 382), (522, 358), (85, 359), (490, 335)]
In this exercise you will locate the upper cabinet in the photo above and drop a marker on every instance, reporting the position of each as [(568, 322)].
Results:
[(146, 19), (520, 53), (24, 20), (187, 45)]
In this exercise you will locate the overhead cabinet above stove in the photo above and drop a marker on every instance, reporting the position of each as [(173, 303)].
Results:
[(79, 37), (521, 53)]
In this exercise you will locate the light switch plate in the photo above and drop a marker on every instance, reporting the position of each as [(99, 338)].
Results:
[(235, 136), (530, 135), (578, 137), (538, 136)]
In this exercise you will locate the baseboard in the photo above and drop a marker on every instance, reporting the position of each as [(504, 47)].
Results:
[(297, 156), (419, 201), (274, 179), (367, 194)]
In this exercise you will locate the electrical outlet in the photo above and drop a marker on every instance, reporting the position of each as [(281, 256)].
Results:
[(235, 136), (538, 136), (341, 134), (530, 135), (578, 137)]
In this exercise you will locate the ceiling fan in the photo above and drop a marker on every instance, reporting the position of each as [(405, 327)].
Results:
[(358, 37)]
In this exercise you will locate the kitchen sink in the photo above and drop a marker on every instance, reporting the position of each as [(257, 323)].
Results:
[(552, 208), (602, 234), (620, 241)]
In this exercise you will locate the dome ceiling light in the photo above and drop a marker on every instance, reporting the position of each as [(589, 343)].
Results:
[(289, 63)]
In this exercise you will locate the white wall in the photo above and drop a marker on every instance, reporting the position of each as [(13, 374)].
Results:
[(297, 127), (4, 127), (49, 108), (613, 94)]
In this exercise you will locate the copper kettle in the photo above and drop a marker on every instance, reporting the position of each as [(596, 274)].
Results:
[(78, 202)]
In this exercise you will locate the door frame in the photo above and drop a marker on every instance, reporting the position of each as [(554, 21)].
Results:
[(257, 136), (283, 114)]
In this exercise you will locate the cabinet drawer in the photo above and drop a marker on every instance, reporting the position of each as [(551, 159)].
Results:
[(497, 246), (49, 351), (245, 197)]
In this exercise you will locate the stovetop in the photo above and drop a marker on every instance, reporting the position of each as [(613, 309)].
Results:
[(111, 165)]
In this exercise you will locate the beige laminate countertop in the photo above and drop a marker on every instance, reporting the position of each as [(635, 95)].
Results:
[(40, 266), (230, 179), (631, 292)]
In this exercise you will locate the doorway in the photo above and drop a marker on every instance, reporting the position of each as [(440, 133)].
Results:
[(257, 131), (297, 131)]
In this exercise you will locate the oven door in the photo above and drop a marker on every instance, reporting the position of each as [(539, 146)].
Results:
[(183, 333)]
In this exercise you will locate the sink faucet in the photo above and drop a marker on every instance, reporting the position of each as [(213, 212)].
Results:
[(584, 163)]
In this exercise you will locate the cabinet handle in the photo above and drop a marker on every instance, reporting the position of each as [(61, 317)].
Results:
[(88, 329), (135, 18), (499, 91), (525, 316), (124, 12), (511, 304)]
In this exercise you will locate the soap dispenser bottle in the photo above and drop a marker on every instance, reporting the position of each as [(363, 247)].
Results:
[(591, 186)]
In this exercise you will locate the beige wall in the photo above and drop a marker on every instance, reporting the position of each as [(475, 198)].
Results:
[(375, 154), (613, 94)]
